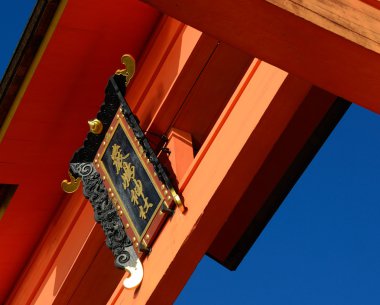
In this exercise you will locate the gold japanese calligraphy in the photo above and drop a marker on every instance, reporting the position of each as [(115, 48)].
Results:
[(118, 158), (127, 173)]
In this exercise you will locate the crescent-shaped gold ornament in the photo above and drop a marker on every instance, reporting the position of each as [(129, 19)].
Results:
[(72, 185), (129, 63)]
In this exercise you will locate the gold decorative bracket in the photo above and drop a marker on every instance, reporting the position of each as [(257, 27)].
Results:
[(178, 201), (129, 63), (72, 185), (96, 126)]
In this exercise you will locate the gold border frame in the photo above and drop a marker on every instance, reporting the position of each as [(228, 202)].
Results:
[(164, 193)]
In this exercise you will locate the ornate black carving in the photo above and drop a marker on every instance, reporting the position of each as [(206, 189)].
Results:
[(114, 93), (106, 214), (114, 98), (93, 187)]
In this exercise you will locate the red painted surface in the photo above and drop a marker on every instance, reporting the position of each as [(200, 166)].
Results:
[(51, 122), (181, 153), (72, 265), (275, 36), (252, 121), (314, 107), (374, 3)]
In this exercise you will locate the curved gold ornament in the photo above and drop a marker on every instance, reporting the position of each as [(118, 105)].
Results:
[(129, 63), (178, 201), (135, 277), (72, 185), (96, 126)]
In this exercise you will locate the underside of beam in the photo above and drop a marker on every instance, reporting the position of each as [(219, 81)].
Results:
[(299, 41)]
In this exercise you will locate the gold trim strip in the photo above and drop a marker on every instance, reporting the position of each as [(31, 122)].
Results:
[(124, 125), (33, 67)]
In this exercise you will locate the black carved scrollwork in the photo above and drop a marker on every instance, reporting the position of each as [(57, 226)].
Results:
[(114, 93), (93, 187), (105, 213), (114, 98)]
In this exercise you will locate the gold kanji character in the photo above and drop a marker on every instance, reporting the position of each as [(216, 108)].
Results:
[(117, 157), (147, 205), (142, 212), (138, 187), (137, 192), (134, 197), (128, 174)]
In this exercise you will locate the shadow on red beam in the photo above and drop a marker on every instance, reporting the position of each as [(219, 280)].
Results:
[(305, 134)]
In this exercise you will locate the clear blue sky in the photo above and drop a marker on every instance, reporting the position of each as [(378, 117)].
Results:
[(323, 244)]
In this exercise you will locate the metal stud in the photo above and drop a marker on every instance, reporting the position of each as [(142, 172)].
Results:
[(145, 249)]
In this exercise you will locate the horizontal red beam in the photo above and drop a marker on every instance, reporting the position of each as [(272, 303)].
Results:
[(289, 42)]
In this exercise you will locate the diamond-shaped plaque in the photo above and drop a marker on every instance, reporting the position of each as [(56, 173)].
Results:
[(127, 167)]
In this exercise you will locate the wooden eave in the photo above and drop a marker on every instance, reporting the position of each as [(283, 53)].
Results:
[(335, 46), (24, 54)]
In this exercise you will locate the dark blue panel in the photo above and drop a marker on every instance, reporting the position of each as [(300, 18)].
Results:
[(130, 179)]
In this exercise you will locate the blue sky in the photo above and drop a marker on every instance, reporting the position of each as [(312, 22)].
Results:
[(323, 244)]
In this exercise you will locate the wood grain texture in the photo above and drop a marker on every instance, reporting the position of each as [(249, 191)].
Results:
[(350, 19), (266, 31)]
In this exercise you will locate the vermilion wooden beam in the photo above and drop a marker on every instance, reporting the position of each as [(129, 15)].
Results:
[(292, 43), (42, 263), (374, 3), (91, 280), (78, 54), (247, 129), (309, 127), (168, 54), (180, 155), (63, 267)]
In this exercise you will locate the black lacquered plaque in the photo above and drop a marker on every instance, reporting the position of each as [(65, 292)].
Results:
[(131, 179), (133, 182), (122, 177)]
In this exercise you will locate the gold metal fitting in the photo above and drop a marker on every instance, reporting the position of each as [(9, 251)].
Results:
[(129, 63), (72, 185), (96, 126), (178, 201)]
